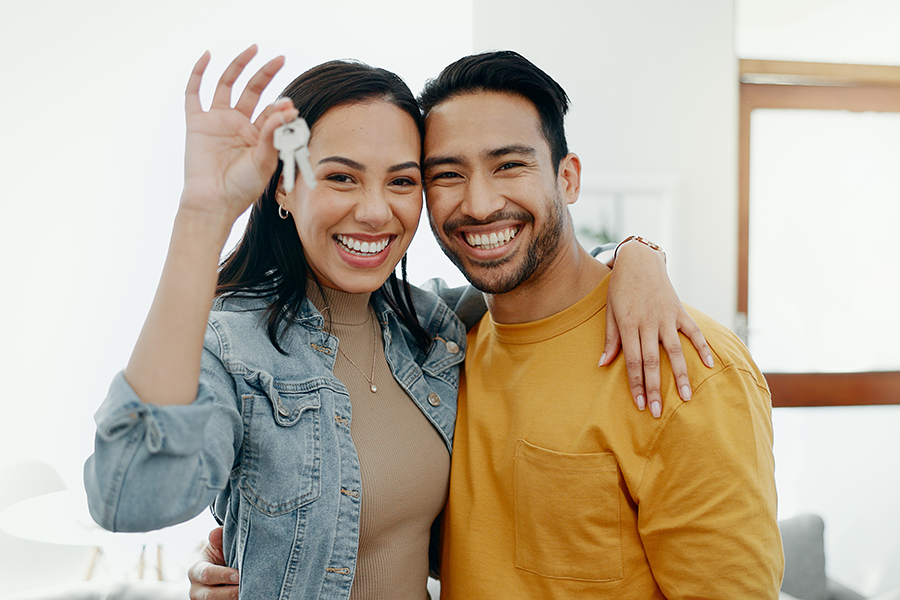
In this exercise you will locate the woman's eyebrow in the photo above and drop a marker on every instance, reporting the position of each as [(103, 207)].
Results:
[(404, 166), (344, 161)]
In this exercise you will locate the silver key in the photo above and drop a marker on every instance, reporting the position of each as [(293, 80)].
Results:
[(290, 140)]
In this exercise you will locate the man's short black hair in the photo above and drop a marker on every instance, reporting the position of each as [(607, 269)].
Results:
[(510, 72)]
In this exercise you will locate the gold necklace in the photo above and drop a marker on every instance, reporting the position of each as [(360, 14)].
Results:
[(371, 379)]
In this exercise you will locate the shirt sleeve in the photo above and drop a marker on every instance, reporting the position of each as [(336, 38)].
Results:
[(707, 502), (155, 466)]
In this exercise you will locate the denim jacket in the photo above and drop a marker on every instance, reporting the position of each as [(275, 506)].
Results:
[(267, 442)]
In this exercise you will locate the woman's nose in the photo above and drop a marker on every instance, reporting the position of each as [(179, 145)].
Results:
[(374, 209)]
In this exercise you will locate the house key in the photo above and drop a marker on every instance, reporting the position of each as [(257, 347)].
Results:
[(290, 140)]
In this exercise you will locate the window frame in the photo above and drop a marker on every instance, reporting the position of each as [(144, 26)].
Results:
[(815, 86)]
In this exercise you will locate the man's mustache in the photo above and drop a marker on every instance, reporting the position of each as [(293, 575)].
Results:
[(450, 226)]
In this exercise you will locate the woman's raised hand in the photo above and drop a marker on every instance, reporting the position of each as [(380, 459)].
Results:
[(228, 158)]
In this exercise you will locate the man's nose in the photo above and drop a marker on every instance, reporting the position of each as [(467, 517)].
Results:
[(481, 199)]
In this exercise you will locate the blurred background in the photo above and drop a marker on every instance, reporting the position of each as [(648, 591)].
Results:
[(93, 130)]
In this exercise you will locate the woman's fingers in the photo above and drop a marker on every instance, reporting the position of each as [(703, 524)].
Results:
[(689, 327), (222, 97), (650, 364), (613, 340), (250, 96), (671, 343), (631, 348), (192, 92)]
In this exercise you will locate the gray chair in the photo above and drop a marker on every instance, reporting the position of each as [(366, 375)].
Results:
[(804, 561)]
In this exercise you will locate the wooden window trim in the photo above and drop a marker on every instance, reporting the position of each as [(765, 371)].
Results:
[(817, 86), (834, 389)]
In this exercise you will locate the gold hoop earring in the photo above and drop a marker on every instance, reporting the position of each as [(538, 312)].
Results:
[(282, 212)]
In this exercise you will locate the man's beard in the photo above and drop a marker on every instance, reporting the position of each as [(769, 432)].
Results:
[(537, 256)]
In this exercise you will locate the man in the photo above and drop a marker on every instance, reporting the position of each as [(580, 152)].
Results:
[(558, 489)]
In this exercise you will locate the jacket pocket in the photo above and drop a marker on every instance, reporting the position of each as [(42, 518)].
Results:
[(280, 455), (567, 514)]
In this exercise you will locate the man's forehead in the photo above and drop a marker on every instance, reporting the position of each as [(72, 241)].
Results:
[(468, 105), (484, 117)]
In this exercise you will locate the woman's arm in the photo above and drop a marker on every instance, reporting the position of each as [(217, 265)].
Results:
[(643, 313), (228, 162)]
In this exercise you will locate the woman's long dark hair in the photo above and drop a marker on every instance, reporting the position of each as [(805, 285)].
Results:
[(269, 259)]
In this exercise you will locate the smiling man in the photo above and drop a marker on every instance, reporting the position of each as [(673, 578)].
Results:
[(558, 488)]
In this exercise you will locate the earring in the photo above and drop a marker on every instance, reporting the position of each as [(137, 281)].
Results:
[(282, 212)]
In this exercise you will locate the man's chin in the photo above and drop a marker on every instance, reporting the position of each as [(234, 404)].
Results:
[(492, 283)]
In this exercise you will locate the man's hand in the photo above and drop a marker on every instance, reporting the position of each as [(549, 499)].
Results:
[(210, 578), (643, 306)]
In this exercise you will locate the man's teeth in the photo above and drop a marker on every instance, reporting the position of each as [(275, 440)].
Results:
[(493, 240), (358, 247)]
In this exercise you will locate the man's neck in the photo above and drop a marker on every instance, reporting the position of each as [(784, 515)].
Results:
[(569, 277)]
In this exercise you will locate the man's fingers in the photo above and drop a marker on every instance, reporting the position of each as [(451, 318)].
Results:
[(200, 592), (210, 574)]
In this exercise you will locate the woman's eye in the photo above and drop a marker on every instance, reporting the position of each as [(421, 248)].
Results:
[(340, 178), (405, 181)]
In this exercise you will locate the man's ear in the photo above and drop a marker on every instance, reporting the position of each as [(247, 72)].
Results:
[(569, 178)]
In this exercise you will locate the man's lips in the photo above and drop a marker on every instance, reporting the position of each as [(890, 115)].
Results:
[(360, 247)]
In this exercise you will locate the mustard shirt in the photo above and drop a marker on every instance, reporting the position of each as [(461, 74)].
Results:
[(561, 488)]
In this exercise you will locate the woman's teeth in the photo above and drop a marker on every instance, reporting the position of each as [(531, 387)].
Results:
[(492, 240), (362, 248)]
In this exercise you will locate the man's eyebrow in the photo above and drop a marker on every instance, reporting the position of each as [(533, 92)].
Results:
[(513, 149), (344, 161), (435, 161), (404, 166)]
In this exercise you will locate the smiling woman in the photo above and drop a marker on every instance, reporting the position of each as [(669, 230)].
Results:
[(357, 224), (249, 407)]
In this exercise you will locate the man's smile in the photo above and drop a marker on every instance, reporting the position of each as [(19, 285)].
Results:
[(494, 239)]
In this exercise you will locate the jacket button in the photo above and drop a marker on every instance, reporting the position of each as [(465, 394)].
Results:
[(434, 399), (452, 347)]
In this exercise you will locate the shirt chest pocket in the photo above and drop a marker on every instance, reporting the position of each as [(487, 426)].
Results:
[(567, 514), (281, 450)]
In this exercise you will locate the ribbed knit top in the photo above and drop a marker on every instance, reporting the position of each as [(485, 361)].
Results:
[(403, 461)]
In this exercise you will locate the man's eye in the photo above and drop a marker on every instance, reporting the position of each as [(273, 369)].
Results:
[(445, 175), (510, 165)]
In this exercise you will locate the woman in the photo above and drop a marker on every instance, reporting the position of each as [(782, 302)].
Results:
[(249, 407)]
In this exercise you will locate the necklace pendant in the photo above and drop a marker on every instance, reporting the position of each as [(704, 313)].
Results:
[(373, 388)]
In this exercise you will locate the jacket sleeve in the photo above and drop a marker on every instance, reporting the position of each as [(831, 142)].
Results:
[(707, 502), (155, 466), (465, 300)]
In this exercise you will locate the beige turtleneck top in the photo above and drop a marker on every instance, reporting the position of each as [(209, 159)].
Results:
[(403, 461)]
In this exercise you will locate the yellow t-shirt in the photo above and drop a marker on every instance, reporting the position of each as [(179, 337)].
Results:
[(561, 488)]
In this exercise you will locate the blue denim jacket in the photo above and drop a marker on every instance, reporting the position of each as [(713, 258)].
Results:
[(267, 442)]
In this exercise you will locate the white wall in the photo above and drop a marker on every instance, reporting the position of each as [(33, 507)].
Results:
[(653, 86)]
